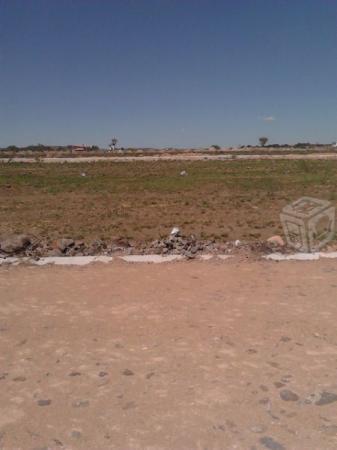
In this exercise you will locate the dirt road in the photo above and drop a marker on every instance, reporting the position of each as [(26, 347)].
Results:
[(199, 355), (200, 157)]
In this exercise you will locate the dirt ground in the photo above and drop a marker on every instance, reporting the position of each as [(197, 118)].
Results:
[(189, 355), (142, 201)]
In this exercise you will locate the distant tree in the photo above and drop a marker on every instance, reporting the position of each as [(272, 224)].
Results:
[(302, 145), (216, 147), (113, 143), (263, 140)]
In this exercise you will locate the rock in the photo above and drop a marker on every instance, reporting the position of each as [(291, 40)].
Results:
[(276, 241), (271, 444), (288, 396), (258, 429), (15, 243), (54, 252), (326, 398), (64, 244), (19, 378), (46, 402), (128, 372), (129, 405), (76, 434), (80, 403)]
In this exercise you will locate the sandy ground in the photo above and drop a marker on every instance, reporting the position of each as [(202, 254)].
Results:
[(200, 157), (187, 355)]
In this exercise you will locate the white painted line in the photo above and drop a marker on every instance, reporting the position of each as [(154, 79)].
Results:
[(156, 259), (181, 157)]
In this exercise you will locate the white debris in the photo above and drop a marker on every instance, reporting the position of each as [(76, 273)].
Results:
[(183, 173), (156, 259), (293, 257), (237, 243), (71, 260), (83, 174), (175, 231)]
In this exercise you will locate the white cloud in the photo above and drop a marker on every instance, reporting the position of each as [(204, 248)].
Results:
[(269, 118)]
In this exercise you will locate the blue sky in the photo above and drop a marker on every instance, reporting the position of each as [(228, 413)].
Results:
[(167, 72)]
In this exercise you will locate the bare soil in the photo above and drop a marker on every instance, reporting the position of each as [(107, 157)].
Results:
[(142, 201), (216, 355)]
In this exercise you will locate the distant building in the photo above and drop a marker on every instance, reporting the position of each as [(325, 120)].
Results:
[(79, 148)]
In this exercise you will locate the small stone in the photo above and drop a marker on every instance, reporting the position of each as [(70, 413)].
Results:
[(80, 403), (271, 444), (285, 339), (149, 375), (75, 374), (288, 396), (20, 378), (127, 372), (258, 429), (64, 244), (103, 374), (278, 384), (129, 405), (326, 398), (54, 252), (46, 402), (276, 241), (76, 434)]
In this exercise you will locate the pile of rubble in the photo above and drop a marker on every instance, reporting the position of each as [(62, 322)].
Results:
[(27, 245), (175, 244)]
